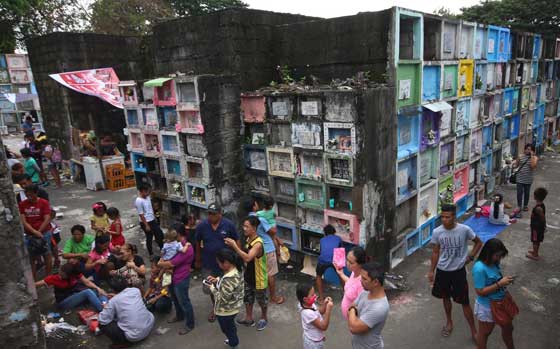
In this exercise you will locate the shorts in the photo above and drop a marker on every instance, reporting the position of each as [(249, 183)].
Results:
[(537, 235), (452, 284), (251, 293), (271, 263), (310, 344), (206, 273), (482, 312), (322, 268), (47, 237)]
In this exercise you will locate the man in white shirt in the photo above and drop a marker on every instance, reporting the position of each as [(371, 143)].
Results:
[(125, 319), (148, 220)]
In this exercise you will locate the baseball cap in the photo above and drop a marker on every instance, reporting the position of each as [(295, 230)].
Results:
[(214, 208)]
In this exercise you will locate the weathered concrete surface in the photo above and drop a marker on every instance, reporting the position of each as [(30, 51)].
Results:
[(416, 318)]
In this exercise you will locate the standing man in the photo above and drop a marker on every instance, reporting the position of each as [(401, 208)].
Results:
[(450, 255), (367, 316), (36, 219), (148, 221), (256, 279), (209, 236), (526, 166), (266, 232)]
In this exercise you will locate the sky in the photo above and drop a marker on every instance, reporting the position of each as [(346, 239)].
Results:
[(338, 8)]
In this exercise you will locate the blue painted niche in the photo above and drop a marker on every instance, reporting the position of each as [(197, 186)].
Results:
[(431, 83)]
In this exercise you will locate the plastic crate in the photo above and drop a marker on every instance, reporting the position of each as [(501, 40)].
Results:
[(128, 172), (116, 184), (129, 182), (115, 171)]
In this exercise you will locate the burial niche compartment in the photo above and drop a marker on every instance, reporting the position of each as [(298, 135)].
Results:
[(287, 233), (309, 165), (427, 203), (167, 118), (136, 142), (344, 199), (170, 143), (283, 189), (429, 165), (150, 118), (345, 224), (410, 35), (280, 134), (151, 144), (430, 128), (462, 150), (190, 121), (174, 167), (138, 162), (129, 93), (285, 212), (446, 158), (340, 137), (407, 184), (199, 195), (307, 135), (194, 144), (164, 95), (432, 38), (310, 194), (280, 161), (280, 108), (255, 158), (197, 170), (176, 189), (311, 241), (253, 108), (311, 219), (339, 170), (187, 95), (133, 118), (408, 129), (259, 183)]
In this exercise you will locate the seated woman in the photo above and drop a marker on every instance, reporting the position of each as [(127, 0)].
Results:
[(497, 215), (79, 245), (125, 319), (157, 296), (72, 289), (98, 258), (129, 266)]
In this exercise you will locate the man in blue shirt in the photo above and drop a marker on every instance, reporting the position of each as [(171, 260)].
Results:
[(210, 235), (267, 233), (328, 243)]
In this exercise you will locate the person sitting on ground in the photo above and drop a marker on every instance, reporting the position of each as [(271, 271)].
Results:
[(17, 168), (352, 284), (98, 258), (125, 319), (328, 243), (312, 321), (171, 246), (538, 223), (128, 265), (72, 289), (23, 180), (35, 214), (32, 169), (156, 296), (116, 228), (99, 220), (79, 245), (228, 293), (497, 215)]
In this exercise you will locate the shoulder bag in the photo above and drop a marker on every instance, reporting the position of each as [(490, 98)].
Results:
[(503, 311), (513, 177)]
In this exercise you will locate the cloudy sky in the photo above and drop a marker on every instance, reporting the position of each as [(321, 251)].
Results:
[(332, 8)]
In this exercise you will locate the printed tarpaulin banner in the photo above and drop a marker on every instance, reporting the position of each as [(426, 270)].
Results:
[(102, 83)]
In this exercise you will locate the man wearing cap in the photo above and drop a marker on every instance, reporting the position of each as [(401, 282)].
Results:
[(210, 234)]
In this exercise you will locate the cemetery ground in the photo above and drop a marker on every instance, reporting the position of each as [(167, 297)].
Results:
[(415, 319)]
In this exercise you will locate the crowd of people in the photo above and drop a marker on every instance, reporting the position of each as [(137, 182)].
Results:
[(103, 271)]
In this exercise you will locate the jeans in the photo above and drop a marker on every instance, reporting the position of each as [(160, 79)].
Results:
[(227, 325), (161, 306), (155, 231), (81, 297), (114, 332), (523, 194), (183, 307)]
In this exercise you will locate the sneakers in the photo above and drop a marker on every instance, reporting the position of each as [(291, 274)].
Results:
[(526, 209), (261, 325)]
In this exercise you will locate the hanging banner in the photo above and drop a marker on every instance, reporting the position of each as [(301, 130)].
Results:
[(102, 83)]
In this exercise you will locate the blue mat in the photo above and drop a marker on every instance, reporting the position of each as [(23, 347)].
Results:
[(484, 230)]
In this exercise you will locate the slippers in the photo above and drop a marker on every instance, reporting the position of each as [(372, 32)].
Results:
[(211, 317), (245, 322), (278, 300), (531, 256), (446, 332)]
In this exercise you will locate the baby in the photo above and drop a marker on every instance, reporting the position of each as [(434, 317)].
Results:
[(171, 247)]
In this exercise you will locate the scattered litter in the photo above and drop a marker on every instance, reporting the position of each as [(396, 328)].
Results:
[(19, 315), (536, 307), (52, 328), (162, 330), (52, 315), (130, 226), (554, 281), (394, 276), (530, 294)]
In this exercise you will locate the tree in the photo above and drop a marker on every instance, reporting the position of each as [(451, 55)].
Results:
[(197, 7), (28, 18), (128, 17), (445, 12), (539, 16)]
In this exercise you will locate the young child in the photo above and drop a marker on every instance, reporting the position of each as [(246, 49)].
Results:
[(116, 229), (228, 293), (99, 220), (156, 291), (268, 213), (538, 223), (328, 243), (497, 215), (312, 320), (171, 246)]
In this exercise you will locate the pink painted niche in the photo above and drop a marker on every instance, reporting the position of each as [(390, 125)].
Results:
[(164, 95), (253, 108), (461, 183), (346, 225)]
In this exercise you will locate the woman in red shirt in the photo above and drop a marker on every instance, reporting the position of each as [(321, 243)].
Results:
[(72, 289)]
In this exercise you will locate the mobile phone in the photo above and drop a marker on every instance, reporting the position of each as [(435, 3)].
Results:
[(207, 283)]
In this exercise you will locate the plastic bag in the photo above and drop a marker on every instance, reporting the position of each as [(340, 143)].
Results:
[(339, 257), (284, 255)]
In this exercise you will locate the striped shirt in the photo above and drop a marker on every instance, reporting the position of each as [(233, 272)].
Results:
[(525, 171), (255, 274)]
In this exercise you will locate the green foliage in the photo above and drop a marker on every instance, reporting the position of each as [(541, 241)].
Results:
[(539, 16), (28, 18), (7, 37), (445, 12), (284, 72), (197, 7), (128, 17)]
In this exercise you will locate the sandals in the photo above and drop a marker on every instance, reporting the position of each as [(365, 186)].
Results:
[(211, 317), (530, 255), (245, 322), (446, 332), (278, 300)]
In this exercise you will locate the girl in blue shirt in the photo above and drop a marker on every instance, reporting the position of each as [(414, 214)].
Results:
[(490, 285)]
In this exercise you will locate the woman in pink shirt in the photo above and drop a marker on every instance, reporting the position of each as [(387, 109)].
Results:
[(98, 257), (352, 285)]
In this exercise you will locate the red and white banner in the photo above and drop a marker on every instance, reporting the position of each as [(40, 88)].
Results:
[(102, 83)]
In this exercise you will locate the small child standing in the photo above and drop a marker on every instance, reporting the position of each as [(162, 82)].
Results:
[(538, 223), (99, 220), (312, 320), (171, 246), (116, 229), (328, 243), (228, 292)]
